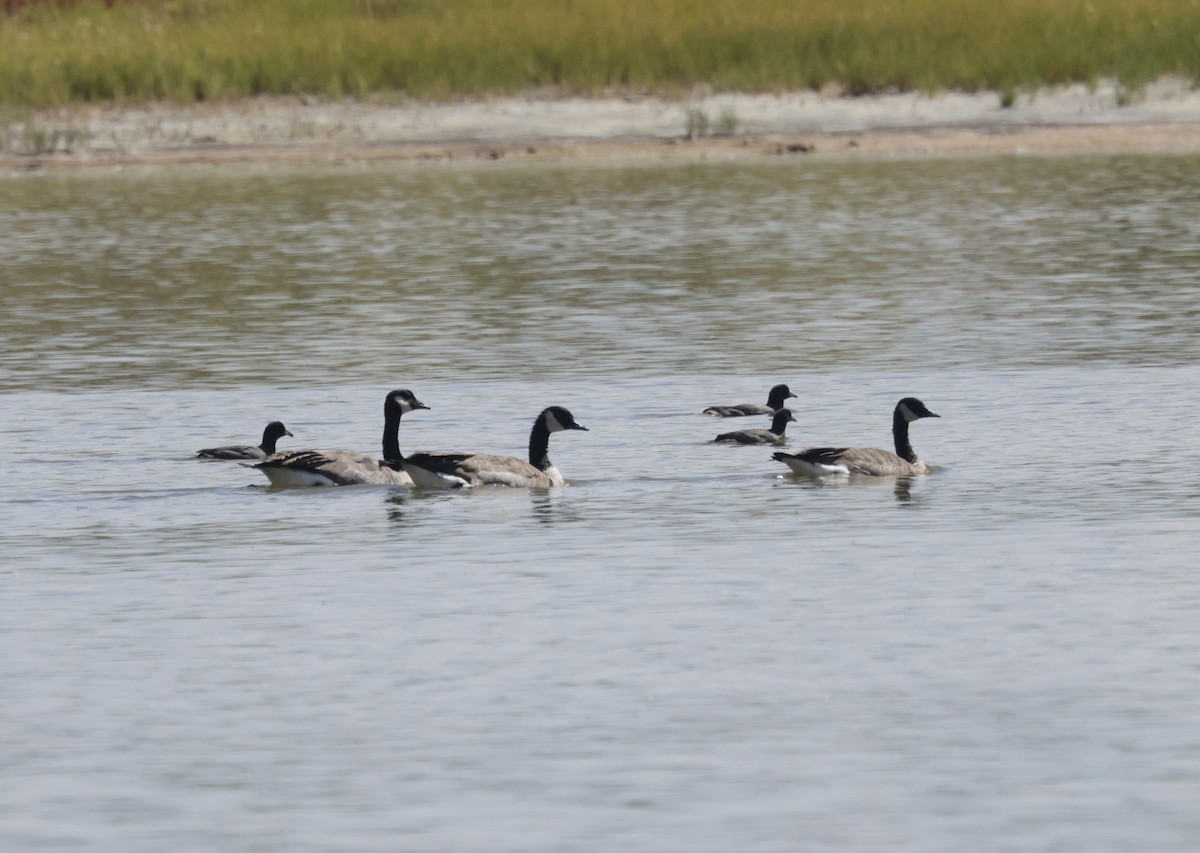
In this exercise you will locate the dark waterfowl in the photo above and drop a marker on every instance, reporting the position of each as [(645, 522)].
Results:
[(775, 401), (274, 431), (774, 435)]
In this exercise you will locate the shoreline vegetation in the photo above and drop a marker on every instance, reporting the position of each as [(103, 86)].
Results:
[(117, 81), (56, 52)]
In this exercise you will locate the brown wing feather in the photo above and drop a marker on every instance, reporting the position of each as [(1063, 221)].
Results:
[(339, 467), (741, 410), (239, 451), (483, 469), (877, 463), (749, 436)]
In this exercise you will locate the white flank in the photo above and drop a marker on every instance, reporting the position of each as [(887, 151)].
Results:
[(423, 478), (803, 466), (295, 478)]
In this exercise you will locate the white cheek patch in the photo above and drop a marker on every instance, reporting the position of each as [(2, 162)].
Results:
[(906, 413), (553, 424)]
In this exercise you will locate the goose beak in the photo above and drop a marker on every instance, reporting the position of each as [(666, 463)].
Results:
[(933, 415), (580, 426), (288, 432), (791, 395), (417, 404)]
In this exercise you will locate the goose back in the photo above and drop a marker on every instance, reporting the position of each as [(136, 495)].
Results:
[(777, 396), (774, 435), (440, 470), (868, 461), (330, 468)]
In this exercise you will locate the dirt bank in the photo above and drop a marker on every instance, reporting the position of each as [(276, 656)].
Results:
[(1165, 117)]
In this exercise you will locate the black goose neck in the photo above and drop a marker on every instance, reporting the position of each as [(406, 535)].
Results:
[(539, 445), (268, 442), (779, 423), (900, 433), (391, 432)]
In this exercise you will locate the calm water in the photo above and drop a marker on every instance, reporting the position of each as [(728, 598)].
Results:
[(684, 650)]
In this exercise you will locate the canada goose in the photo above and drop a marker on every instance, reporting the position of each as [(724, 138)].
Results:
[(450, 470), (344, 467), (774, 435), (867, 460), (274, 431), (774, 403)]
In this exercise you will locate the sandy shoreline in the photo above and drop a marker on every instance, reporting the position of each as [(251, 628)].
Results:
[(1163, 118)]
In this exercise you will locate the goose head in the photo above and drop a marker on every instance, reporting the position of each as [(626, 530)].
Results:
[(402, 400), (778, 394), (276, 430), (912, 409), (782, 418), (557, 419)]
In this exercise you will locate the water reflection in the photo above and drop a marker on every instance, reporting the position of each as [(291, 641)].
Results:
[(399, 510), (550, 506), (907, 491), (227, 279), (145, 318), (407, 508)]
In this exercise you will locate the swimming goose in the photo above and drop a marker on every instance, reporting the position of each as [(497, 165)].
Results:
[(274, 431), (344, 467), (449, 470), (868, 461), (774, 435), (774, 403)]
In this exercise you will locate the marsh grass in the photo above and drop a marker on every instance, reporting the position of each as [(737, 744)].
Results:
[(727, 122), (195, 50), (25, 135), (696, 123)]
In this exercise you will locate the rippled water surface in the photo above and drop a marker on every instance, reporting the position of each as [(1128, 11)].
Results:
[(684, 649)]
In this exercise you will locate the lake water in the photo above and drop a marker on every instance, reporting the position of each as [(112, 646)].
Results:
[(682, 650)]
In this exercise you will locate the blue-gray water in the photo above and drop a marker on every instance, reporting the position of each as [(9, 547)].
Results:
[(684, 649)]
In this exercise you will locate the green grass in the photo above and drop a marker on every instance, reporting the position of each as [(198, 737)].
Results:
[(188, 50)]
